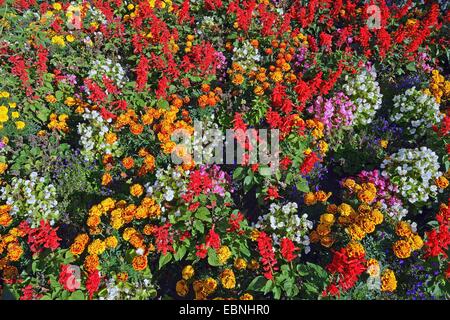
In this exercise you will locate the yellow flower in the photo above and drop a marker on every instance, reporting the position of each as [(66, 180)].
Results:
[(187, 272), (327, 218), (373, 267), (309, 198), (246, 296), (182, 288), (12, 105), (15, 115), (442, 182), (402, 249), (97, 247), (228, 279), (345, 209), (4, 94), (3, 167), (384, 143), (70, 38), (416, 242), (355, 249), (403, 229), (224, 253), (111, 242), (4, 117), (3, 110), (388, 281), (58, 40), (20, 125), (57, 6), (240, 264), (355, 232), (136, 190)]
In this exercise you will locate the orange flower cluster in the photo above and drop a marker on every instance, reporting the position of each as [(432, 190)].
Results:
[(209, 97), (411, 241), (58, 122), (357, 223)]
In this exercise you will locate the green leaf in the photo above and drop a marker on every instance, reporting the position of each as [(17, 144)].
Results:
[(163, 104), (59, 95), (213, 260), (77, 295), (265, 171), (181, 251), (164, 259), (302, 185), (237, 174), (257, 284), (204, 214), (198, 225)]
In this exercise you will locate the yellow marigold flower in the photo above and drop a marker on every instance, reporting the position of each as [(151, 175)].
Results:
[(327, 218), (253, 265), (442, 182), (58, 40), (128, 232), (77, 248), (355, 250), (91, 263), (106, 179), (388, 281), (403, 229), (355, 232), (384, 143), (111, 242), (187, 272), (373, 267), (367, 225), (246, 296), (15, 114), (240, 264), (210, 285), (15, 251), (416, 242), (136, 190), (323, 229), (322, 196), (82, 238), (93, 221), (182, 288), (277, 76), (228, 279), (122, 276), (237, 79), (223, 254), (110, 138), (97, 247), (259, 91), (309, 198), (366, 196), (139, 263), (3, 167), (344, 209), (402, 249)]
